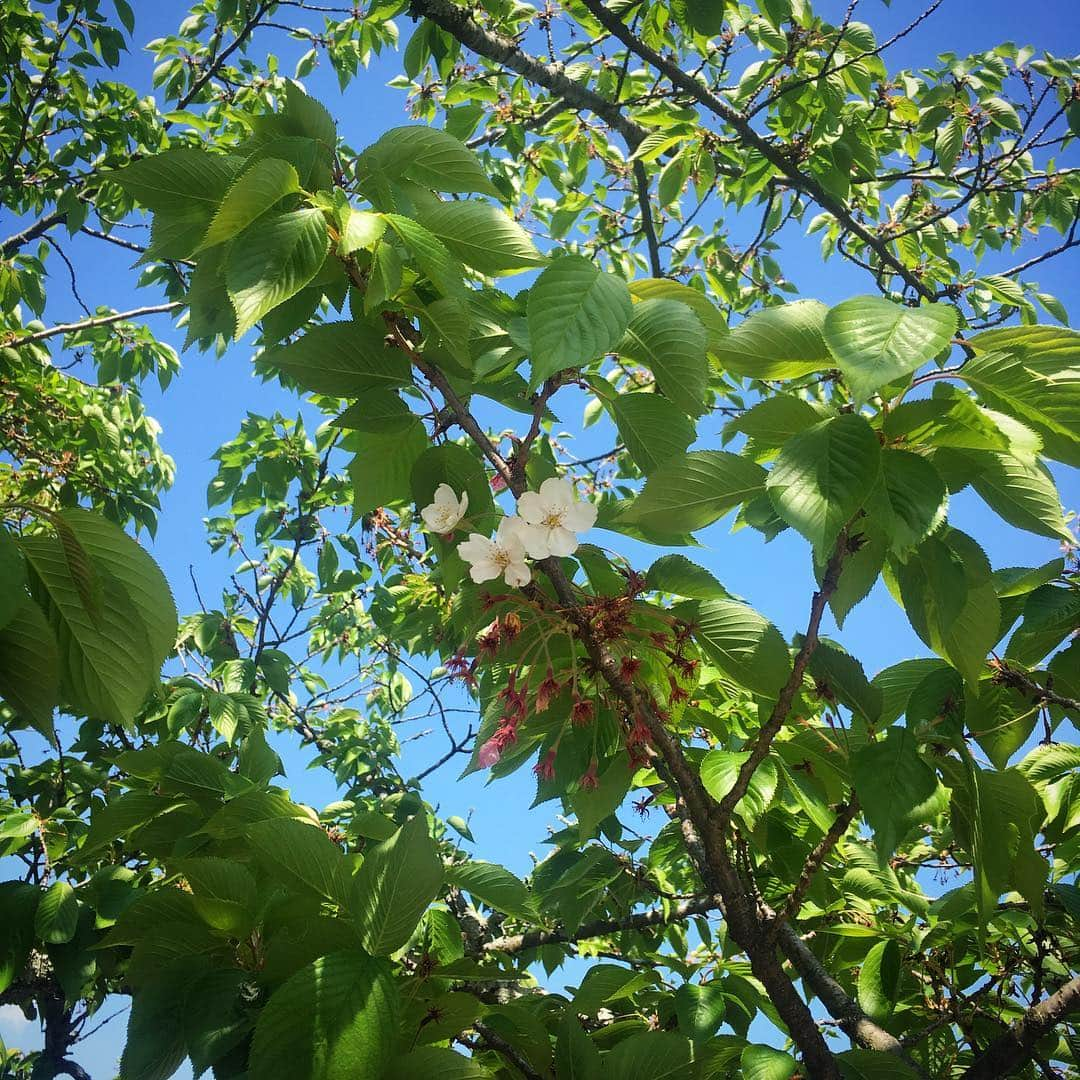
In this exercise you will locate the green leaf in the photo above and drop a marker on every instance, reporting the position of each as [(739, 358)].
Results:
[(576, 1055), (876, 341), (57, 914), (592, 806), (343, 359), (225, 893), (13, 577), (18, 906), (913, 501), (896, 788), (744, 645), (652, 428), (720, 770), (1033, 374), (699, 1009), (388, 442), (764, 1063), (689, 492), (434, 1061), (360, 229), (770, 423), (111, 550), (879, 980), (297, 852), (1000, 718), (255, 192), (30, 666), (669, 339), (429, 157), (431, 256), (1022, 493), (494, 885), (394, 886), (861, 1064), (946, 589), (650, 1055), (705, 16), (176, 179), (273, 260), (335, 1019), (676, 574), (950, 141), (781, 342), (453, 464), (665, 289), (575, 313), (838, 676), (107, 660), (482, 236), (824, 475)]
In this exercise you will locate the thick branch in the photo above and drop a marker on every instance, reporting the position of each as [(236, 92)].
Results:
[(853, 1021), (1007, 1053), (459, 22)]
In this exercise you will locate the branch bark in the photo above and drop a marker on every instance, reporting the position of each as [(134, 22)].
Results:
[(89, 324), (1017, 1046), (751, 138), (533, 939)]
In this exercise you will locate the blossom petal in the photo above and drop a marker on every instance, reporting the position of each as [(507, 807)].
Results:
[(517, 574), (580, 517), (484, 570), (444, 493), (531, 508), (534, 539), (476, 548), (557, 492), (561, 542)]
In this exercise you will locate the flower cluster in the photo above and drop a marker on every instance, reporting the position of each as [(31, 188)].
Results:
[(547, 523)]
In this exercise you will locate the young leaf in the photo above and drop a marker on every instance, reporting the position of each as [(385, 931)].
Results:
[(876, 341), (257, 190), (652, 428), (689, 492), (669, 339), (335, 1019), (397, 881), (824, 475), (273, 260), (575, 313)]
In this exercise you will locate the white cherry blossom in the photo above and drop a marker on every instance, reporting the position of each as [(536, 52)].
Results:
[(553, 516), (503, 556), (445, 513)]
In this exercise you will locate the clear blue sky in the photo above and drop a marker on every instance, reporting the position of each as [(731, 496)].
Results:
[(204, 407)]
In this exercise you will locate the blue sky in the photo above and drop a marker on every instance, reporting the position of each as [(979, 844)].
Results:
[(205, 405)]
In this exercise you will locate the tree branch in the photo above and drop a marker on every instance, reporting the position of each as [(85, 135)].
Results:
[(749, 137), (533, 939), (771, 728), (89, 324), (1017, 1045)]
